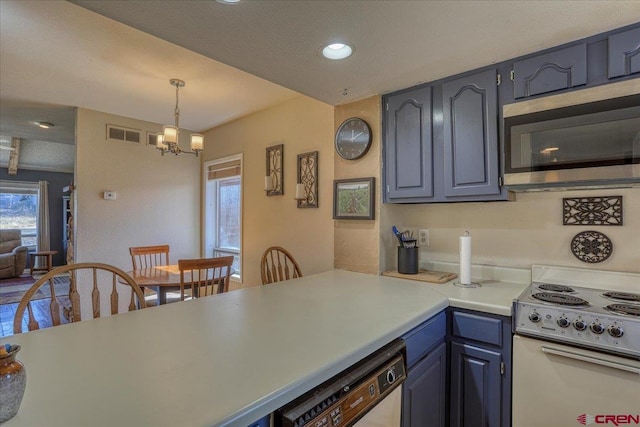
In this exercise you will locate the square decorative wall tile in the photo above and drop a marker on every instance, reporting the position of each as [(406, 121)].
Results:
[(605, 210)]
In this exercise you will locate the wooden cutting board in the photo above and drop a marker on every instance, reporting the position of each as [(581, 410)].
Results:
[(423, 276)]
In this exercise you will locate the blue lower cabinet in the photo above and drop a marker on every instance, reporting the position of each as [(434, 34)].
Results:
[(264, 422), (480, 369), (424, 391), (475, 386)]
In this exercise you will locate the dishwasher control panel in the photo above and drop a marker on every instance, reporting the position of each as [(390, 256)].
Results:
[(347, 397)]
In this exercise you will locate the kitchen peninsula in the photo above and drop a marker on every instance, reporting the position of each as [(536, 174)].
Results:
[(225, 360)]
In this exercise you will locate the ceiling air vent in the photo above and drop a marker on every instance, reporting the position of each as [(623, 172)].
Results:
[(119, 133)]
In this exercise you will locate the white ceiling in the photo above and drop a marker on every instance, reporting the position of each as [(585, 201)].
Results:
[(56, 52)]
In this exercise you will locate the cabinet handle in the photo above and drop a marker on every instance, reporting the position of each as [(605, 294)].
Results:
[(591, 359)]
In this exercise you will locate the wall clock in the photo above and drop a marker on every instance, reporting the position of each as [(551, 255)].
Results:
[(353, 138)]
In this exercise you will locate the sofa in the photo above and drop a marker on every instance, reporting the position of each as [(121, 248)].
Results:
[(13, 256)]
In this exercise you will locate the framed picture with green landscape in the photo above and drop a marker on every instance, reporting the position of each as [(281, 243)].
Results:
[(354, 198)]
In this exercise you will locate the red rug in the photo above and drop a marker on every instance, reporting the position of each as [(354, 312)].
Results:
[(12, 289), (25, 279)]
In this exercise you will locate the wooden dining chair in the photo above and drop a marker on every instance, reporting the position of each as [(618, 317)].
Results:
[(149, 256), (92, 287), (205, 276), (277, 265)]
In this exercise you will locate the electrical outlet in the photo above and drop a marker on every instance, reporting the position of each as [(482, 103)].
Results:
[(423, 237)]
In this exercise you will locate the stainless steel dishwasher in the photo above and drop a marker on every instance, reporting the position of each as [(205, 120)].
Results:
[(365, 395)]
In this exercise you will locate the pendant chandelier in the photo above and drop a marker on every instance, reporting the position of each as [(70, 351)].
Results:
[(168, 140)]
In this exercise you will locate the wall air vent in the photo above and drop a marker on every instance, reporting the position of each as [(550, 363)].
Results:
[(119, 133), (152, 139)]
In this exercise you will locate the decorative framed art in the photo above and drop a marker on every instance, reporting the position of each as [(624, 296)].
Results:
[(308, 178), (354, 198), (275, 170)]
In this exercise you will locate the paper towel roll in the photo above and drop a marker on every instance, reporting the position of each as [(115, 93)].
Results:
[(465, 259)]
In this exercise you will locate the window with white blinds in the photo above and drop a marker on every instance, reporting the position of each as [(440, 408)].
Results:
[(223, 210), (19, 209)]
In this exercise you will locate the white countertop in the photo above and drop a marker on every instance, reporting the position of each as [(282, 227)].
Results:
[(492, 296), (222, 360), (499, 286)]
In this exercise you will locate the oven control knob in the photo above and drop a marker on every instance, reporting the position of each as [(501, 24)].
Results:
[(391, 376), (534, 317), (580, 325), (597, 328), (563, 322), (615, 331)]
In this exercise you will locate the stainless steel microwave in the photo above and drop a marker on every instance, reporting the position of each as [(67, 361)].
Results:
[(581, 137)]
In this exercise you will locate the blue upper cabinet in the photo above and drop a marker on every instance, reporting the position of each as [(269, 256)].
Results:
[(548, 72), (409, 145), (624, 53), (470, 111)]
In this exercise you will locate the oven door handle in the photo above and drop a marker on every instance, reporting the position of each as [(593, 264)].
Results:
[(590, 359)]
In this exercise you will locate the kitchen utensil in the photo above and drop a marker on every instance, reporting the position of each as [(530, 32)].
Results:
[(398, 235)]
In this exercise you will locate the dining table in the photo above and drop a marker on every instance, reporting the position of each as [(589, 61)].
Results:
[(162, 279)]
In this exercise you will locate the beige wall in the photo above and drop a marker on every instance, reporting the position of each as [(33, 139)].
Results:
[(525, 232), (302, 125), (158, 197), (159, 201), (357, 242)]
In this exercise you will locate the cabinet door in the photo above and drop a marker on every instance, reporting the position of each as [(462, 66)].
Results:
[(561, 69), (475, 386), (470, 121), (264, 422), (624, 53), (424, 391), (408, 145)]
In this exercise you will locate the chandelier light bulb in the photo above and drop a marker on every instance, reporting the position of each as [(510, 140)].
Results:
[(197, 142), (160, 145), (170, 134)]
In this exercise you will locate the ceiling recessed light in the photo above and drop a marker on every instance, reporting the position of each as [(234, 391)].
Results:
[(228, 1), (337, 51), (44, 125)]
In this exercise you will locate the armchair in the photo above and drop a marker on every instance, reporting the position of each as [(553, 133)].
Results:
[(13, 256)]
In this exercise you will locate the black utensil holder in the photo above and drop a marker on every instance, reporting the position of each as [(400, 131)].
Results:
[(408, 260)]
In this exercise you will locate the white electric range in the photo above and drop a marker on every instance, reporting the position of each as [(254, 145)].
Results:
[(576, 348)]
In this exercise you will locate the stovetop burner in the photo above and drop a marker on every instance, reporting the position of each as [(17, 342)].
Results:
[(624, 296), (561, 299), (599, 310), (627, 309), (555, 288)]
